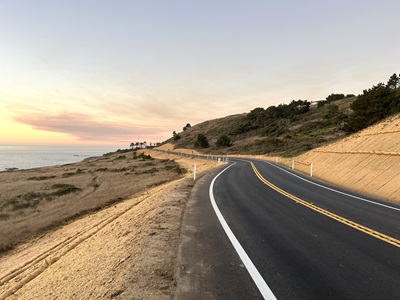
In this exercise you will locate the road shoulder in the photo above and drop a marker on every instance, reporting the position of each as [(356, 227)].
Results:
[(208, 267)]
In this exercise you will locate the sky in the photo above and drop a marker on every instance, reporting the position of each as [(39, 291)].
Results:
[(96, 72)]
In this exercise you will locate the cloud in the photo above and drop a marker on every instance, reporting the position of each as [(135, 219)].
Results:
[(86, 128)]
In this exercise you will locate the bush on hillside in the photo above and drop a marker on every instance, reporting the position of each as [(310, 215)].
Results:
[(259, 117), (373, 105), (224, 141), (201, 141)]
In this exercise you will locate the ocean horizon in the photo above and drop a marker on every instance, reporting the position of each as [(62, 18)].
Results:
[(34, 156)]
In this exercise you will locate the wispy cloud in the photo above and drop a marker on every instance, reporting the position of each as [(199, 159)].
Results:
[(86, 128)]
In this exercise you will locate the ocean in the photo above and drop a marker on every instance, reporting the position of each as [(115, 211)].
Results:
[(27, 157)]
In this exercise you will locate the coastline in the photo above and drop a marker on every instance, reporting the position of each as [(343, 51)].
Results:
[(126, 251), (38, 156), (35, 200)]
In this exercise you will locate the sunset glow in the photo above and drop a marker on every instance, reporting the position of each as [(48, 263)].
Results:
[(111, 73)]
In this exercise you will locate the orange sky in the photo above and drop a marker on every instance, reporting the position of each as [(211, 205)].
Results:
[(127, 71)]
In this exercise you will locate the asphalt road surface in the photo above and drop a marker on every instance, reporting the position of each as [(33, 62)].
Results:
[(285, 236)]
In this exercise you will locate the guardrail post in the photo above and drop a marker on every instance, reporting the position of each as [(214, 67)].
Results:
[(311, 170), (292, 164)]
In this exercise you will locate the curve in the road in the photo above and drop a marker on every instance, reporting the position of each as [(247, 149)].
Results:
[(333, 190), (345, 221), (255, 275)]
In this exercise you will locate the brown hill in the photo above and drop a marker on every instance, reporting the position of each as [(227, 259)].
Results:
[(285, 130)]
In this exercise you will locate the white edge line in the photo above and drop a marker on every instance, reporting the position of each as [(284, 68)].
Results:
[(255, 275), (333, 190)]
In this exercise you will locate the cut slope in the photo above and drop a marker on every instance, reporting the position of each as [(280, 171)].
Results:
[(368, 161)]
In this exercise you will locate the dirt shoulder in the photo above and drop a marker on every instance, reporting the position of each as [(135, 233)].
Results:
[(127, 251)]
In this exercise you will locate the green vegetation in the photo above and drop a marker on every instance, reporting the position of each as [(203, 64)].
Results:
[(179, 170), (176, 136), (223, 141), (119, 170), (120, 151), (101, 169), (296, 127), (201, 141), (141, 156), (64, 189), (375, 104), (28, 200), (41, 177), (68, 174)]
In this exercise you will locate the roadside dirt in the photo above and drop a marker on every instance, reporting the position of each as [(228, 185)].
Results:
[(126, 251)]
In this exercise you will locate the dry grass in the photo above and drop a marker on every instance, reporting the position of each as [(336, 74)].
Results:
[(289, 136), (35, 200), (125, 251)]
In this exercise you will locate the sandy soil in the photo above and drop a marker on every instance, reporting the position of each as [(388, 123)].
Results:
[(368, 161), (126, 251), (32, 201)]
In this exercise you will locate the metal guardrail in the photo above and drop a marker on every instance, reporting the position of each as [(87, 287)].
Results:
[(208, 157)]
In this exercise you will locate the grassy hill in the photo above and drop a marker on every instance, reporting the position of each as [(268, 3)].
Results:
[(285, 130), (292, 129)]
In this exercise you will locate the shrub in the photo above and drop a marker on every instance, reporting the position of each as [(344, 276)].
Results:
[(201, 141), (142, 156), (334, 97), (372, 106), (224, 141), (41, 177), (64, 189)]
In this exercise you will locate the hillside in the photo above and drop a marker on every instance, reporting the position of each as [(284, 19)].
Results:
[(285, 130), (291, 129), (368, 161)]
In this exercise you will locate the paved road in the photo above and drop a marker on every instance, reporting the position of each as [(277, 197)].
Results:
[(306, 241)]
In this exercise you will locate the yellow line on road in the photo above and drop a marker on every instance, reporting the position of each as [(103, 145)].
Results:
[(345, 221)]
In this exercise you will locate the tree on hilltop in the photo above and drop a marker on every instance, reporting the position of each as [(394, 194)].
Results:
[(176, 136), (394, 81), (334, 97), (373, 105)]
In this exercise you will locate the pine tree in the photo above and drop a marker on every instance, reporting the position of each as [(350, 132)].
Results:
[(394, 81)]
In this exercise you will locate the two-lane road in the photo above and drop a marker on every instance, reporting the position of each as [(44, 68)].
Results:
[(305, 240)]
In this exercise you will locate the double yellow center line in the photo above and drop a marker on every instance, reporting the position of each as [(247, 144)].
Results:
[(345, 221)]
